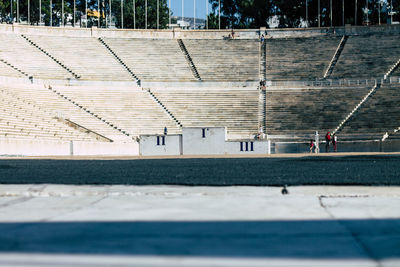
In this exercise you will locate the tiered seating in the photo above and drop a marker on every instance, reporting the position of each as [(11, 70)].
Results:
[(380, 114), (237, 109), (8, 71), (304, 111), (17, 51), (19, 118), (225, 60), (131, 109), (299, 58), (47, 99), (367, 56), (85, 56), (152, 59)]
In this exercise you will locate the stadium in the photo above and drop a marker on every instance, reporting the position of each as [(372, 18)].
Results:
[(177, 147), (118, 94)]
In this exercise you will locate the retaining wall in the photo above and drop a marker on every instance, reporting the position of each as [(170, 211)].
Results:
[(195, 34), (16, 147)]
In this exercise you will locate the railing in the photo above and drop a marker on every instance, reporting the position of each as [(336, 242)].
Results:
[(330, 83)]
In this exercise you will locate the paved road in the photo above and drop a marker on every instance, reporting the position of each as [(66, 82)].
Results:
[(340, 170)]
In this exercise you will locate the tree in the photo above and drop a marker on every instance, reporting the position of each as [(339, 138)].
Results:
[(140, 16)]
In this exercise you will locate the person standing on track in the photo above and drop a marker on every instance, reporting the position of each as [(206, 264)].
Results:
[(334, 142), (327, 141)]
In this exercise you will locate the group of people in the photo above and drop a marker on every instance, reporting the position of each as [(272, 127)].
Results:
[(329, 139)]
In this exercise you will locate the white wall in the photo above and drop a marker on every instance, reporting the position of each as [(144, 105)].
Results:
[(193, 143), (105, 148), (212, 144), (20, 147), (148, 145), (17, 147), (259, 147)]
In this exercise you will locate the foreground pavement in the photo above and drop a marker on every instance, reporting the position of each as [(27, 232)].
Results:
[(69, 225)]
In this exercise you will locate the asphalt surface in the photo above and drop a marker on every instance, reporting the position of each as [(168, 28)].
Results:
[(340, 170)]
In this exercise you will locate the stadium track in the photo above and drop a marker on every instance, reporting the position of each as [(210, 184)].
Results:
[(276, 170)]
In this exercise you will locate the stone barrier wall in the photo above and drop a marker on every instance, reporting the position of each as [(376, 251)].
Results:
[(196, 34)]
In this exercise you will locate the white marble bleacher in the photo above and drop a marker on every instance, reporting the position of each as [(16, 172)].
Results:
[(237, 109), (153, 59), (17, 51), (131, 109), (367, 56), (225, 60), (294, 59), (8, 71), (87, 57), (20, 118), (43, 97), (302, 111), (380, 114)]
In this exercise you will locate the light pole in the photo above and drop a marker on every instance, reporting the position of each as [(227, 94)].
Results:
[(29, 12), (87, 19), (109, 6), (343, 12), (207, 14), (145, 21), (134, 14), (219, 14), (62, 13), (379, 13), (391, 12), (158, 15), (98, 10), (122, 14), (40, 12), (51, 13), (17, 11), (355, 15), (332, 14), (194, 14), (169, 13), (11, 13), (319, 13), (307, 13), (182, 14), (74, 13)]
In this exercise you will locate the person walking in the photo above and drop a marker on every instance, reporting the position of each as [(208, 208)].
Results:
[(312, 146)]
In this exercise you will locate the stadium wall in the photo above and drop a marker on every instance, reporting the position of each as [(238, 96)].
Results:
[(195, 34), (16, 147)]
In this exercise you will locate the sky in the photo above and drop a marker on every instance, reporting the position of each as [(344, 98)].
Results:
[(176, 7)]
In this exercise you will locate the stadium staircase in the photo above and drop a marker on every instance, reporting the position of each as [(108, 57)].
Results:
[(392, 69), (335, 57), (263, 61), (110, 124), (262, 108), (102, 41), (155, 98), (357, 107), (52, 57), (189, 60), (14, 67)]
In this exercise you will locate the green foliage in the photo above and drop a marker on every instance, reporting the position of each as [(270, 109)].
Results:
[(239, 14)]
